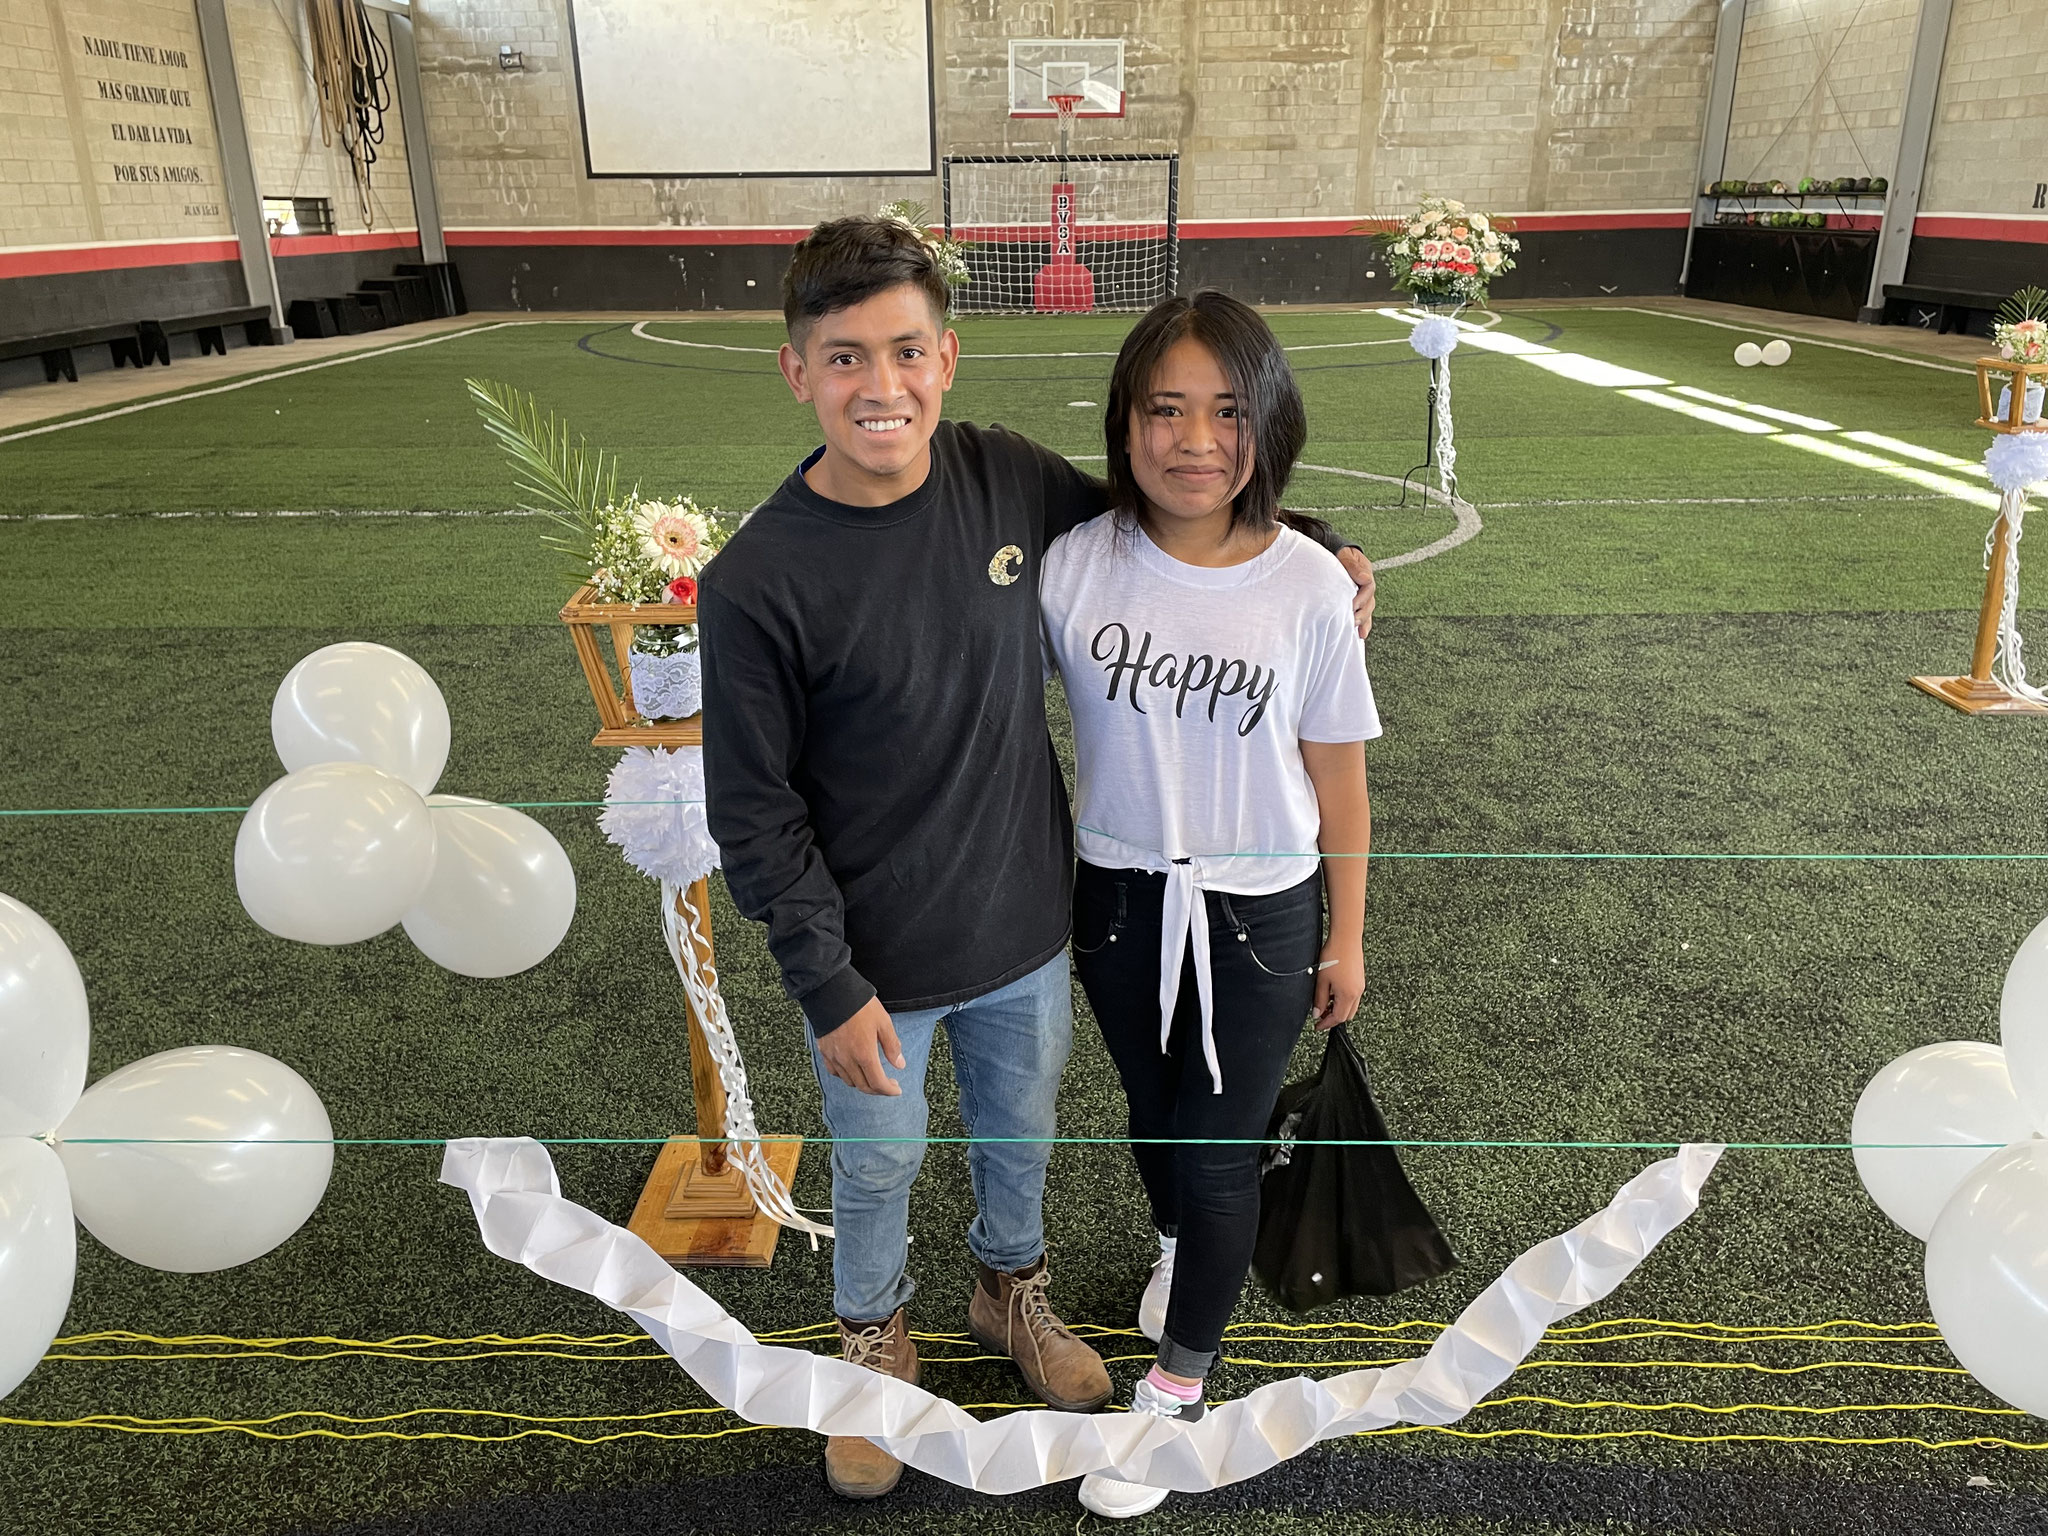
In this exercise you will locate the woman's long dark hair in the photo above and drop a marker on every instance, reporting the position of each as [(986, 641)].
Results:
[(1272, 424)]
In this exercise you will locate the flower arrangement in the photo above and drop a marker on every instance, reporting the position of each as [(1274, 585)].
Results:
[(2021, 330), (631, 548), (950, 254), (1445, 253)]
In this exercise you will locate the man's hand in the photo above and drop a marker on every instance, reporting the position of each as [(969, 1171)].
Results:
[(1340, 983), (1360, 570), (853, 1052)]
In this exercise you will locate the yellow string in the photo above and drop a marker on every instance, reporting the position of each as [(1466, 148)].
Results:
[(540, 1425)]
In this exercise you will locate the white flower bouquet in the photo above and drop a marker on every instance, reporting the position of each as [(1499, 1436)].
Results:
[(949, 254), (1444, 253), (2021, 330), (630, 549)]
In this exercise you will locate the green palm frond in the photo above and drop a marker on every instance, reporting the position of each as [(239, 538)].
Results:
[(2027, 304), (565, 480)]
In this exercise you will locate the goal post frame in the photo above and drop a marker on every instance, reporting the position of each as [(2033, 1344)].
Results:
[(1058, 164)]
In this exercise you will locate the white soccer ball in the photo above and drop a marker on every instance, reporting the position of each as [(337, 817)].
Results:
[(1775, 352), (1749, 354)]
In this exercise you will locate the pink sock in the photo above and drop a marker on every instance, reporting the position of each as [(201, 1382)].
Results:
[(1173, 1389)]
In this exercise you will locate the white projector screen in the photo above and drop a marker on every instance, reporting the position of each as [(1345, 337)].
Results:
[(754, 87)]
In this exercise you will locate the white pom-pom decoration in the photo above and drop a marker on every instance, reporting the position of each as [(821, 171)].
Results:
[(1749, 354), (654, 812), (2016, 460), (1434, 337), (1776, 352)]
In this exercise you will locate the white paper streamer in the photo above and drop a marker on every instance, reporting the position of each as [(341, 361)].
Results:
[(743, 1138), (521, 1213), (654, 811)]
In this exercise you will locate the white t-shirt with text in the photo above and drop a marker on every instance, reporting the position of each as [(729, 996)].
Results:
[(1192, 689)]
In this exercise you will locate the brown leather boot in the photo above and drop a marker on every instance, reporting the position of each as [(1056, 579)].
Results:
[(856, 1468), (1010, 1314)]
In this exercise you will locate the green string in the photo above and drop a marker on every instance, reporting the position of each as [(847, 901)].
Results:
[(1092, 1141)]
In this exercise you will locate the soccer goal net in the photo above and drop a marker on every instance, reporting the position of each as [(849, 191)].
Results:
[(1048, 234)]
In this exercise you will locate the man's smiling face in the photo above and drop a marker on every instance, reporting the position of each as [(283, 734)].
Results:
[(877, 373)]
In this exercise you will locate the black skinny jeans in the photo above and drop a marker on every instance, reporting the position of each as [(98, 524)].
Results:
[(1263, 952)]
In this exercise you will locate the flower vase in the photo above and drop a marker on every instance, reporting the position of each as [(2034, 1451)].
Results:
[(2030, 411), (669, 687)]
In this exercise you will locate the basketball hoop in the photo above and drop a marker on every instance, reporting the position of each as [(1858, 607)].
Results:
[(1065, 105)]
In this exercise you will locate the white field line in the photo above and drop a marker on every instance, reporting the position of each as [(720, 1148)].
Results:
[(260, 378), (1468, 524), (1751, 330), (1719, 501), (1487, 506), (1825, 447), (644, 334), (263, 512)]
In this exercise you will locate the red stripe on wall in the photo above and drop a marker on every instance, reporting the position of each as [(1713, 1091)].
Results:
[(1191, 229), (1974, 226), (679, 235), (329, 245), (112, 258)]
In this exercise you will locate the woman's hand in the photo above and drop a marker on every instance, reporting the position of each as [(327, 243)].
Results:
[(1340, 983)]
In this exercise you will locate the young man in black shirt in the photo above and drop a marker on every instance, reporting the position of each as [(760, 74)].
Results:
[(885, 796)]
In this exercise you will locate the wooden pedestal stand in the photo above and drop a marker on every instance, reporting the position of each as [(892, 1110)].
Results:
[(1979, 693), (695, 1207)]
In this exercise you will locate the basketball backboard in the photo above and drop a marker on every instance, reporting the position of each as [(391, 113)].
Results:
[(1044, 67)]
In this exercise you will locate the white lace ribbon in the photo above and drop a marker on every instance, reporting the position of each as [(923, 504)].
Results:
[(520, 1211), (743, 1138)]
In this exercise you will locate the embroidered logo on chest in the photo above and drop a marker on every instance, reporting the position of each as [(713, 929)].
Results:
[(1007, 566)]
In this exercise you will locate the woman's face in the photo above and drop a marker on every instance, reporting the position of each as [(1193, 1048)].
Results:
[(1184, 436)]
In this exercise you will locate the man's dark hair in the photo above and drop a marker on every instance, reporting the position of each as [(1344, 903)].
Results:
[(1272, 422), (844, 262)]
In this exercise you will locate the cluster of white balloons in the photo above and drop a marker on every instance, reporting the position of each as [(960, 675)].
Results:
[(190, 1160), (353, 840), (1949, 1143), (1770, 354)]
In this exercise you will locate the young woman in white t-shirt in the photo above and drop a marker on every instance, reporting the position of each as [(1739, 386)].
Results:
[(1220, 705)]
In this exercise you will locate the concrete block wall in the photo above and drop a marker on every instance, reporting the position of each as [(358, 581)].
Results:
[(1820, 88), (106, 125), (1989, 153), (281, 106), (1278, 108)]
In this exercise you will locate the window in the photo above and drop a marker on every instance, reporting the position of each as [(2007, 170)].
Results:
[(298, 215)]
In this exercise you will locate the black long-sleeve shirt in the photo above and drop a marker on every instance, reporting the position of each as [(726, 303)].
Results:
[(881, 783)]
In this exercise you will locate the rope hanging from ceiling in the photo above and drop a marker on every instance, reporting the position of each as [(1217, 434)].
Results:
[(352, 74)]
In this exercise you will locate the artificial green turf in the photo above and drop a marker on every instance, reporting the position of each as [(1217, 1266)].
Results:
[(1638, 679)]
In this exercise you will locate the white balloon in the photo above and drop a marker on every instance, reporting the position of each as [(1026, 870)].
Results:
[(1955, 1092), (44, 1029), (334, 853), (232, 1153), (38, 1255), (2023, 1025), (1776, 352), (1749, 354), (502, 893), (1987, 1275), (362, 703)]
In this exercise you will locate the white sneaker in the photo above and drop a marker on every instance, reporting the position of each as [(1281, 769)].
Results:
[(1152, 1306), (1116, 1500)]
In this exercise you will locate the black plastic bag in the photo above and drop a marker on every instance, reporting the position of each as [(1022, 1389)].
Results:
[(1339, 1221)]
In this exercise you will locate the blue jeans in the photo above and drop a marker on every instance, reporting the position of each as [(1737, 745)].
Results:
[(1009, 1047)]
